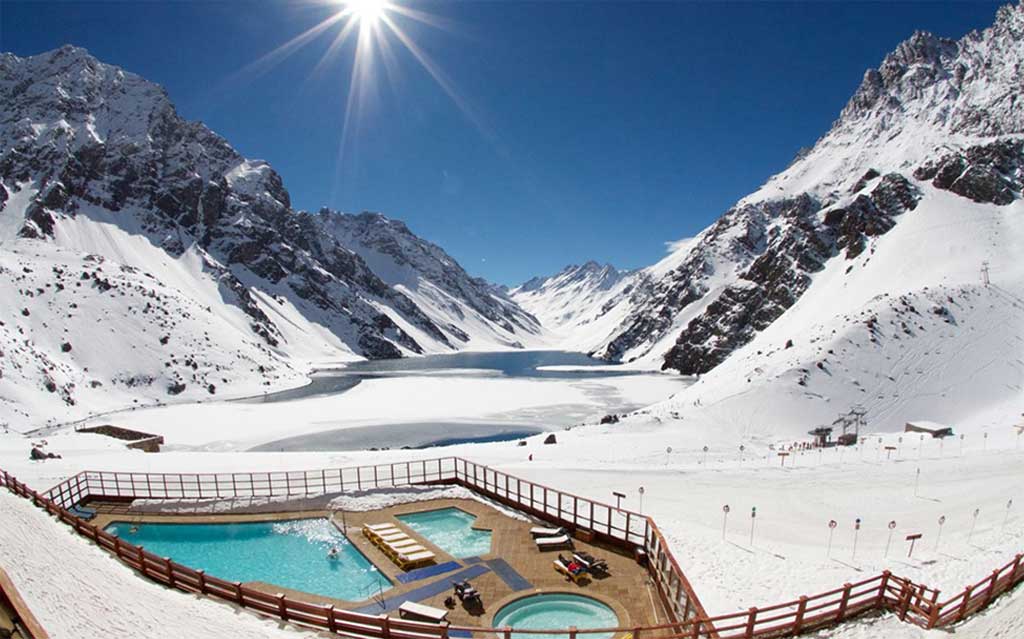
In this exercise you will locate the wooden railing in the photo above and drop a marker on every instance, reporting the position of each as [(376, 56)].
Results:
[(913, 603)]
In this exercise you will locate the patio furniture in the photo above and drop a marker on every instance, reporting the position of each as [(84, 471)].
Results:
[(553, 543), (411, 609)]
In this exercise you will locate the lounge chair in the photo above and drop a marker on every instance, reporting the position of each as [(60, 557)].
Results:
[(82, 512), (403, 543), (394, 553), (379, 526), (419, 611), (553, 543), (393, 537), (592, 563), (540, 531), (576, 576), (414, 560)]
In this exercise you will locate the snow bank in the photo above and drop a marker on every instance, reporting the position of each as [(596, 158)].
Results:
[(77, 591)]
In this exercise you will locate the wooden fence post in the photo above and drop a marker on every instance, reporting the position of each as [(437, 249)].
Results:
[(142, 561), (385, 626), (507, 631), (170, 571), (963, 604), (990, 595), (238, 594), (202, 581), (934, 610), (801, 609), (282, 609), (332, 623), (844, 602), (880, 603), (905, 595), (1016, 566), (751, 619)]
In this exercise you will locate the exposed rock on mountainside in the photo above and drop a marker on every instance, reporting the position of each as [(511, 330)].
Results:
[(924, 119), (95, 160)]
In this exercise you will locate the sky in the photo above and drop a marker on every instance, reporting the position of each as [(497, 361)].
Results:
[(559, 132)]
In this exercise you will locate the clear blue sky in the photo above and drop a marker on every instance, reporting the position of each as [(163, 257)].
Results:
[(608, 129)]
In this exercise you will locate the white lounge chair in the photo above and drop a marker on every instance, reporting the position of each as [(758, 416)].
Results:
[(379, 526), (550, 543), (392, 537), (406, 561), (540, 531), (419, 611)]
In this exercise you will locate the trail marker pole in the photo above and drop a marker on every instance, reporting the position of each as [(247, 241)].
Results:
[(920, 445), (668, 451), (892, 527), (984, 439), (1009, 504), (705, 456), (856, 532), (725, 518), (942, 520), (974, 522), (783, 456), (641, 491), (899, 444), (917, 481), (831, 530), (912, 539), (753, 518), (961, 444), (741, 453)]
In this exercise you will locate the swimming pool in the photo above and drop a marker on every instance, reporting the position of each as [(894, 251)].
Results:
[(292, 554), (557, 610), (450, 529)]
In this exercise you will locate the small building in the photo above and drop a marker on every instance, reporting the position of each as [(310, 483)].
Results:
[(931, 428), (822, 436)]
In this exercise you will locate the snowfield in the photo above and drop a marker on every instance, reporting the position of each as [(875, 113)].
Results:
[(77, 591)]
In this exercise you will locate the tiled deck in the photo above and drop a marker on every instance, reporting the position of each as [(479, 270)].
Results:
[(513, 568)]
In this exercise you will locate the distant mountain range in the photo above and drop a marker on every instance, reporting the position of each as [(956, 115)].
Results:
[(142, 257)]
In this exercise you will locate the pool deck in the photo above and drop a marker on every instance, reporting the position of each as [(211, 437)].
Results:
[(513, 568)]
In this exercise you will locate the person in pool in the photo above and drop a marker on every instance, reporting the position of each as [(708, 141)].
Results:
[(332, 553)]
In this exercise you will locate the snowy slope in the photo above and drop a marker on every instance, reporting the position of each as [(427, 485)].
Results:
[(579, 303), (938, 115), (94, 161), (469, 310), (77, 591)]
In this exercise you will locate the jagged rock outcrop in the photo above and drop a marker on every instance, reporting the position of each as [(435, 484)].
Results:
[(992, 173), (93, 141)]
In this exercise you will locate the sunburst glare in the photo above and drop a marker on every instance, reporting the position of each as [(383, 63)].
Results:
[(375, 25)]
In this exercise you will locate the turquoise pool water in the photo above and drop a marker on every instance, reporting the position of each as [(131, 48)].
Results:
[(557, 610), (292, 554), (450, 529)]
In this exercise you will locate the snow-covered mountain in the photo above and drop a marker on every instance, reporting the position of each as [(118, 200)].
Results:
[(938, 114), (463, 306), (577, 304), (855, 275), (156, 218)]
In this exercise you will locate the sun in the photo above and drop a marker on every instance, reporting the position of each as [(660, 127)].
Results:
[(367, 12)]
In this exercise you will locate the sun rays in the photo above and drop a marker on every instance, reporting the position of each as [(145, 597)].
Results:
[(374, 34)]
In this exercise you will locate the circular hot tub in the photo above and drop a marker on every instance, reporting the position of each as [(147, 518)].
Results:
[(555, 610)]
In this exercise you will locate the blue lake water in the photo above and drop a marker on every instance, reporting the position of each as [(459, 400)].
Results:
[(450, 529), (292, 554)]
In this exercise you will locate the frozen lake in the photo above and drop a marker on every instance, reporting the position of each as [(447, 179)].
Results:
[(512, 364)]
